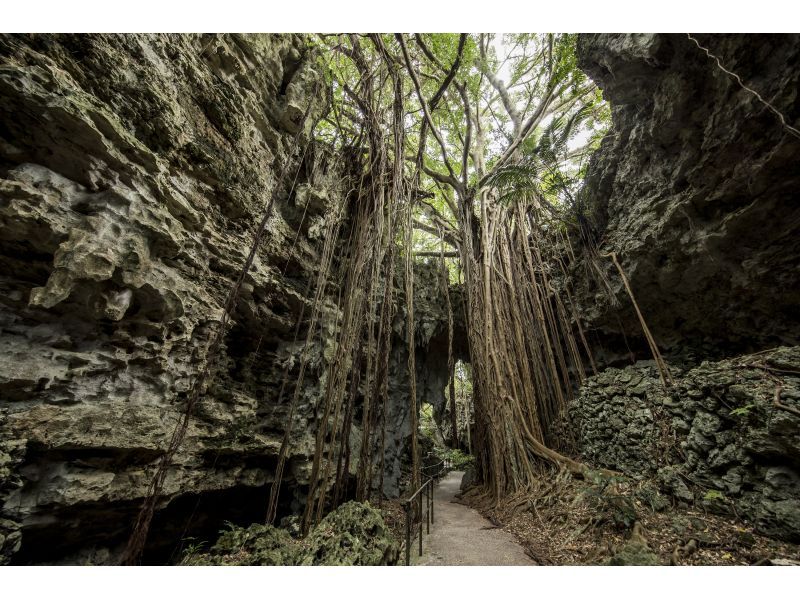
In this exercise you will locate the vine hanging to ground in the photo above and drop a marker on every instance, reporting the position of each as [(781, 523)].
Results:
[(432, 167), (141, 527)]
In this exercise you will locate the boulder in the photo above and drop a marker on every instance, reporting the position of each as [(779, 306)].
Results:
[(353, 534)]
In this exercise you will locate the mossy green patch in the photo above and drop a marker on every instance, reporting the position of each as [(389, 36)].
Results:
[(353, 534)]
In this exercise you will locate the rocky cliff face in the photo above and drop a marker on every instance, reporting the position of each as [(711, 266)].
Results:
[(133, 171), (716, 438), (695, 188)]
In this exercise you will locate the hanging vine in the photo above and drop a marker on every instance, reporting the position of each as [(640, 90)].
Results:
[(141, 527)]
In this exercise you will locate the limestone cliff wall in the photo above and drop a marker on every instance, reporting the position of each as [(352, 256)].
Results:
[(133, 170), (696, 187)]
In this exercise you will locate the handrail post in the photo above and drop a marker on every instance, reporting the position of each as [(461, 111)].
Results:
[(407, 507), (428, 508), (420, 524), (413, 506), (432, 521)]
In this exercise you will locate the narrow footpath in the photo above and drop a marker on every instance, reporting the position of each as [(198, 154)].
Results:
[(461, 536)]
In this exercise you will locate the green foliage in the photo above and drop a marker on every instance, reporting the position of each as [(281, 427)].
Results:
[(547, 168), (457, 458), (743, 411), (427, 424), (194, 554), (463, 379), (353, 534), (714, 495), (507, 81)]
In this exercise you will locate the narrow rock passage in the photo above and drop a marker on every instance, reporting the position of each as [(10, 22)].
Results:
[(461, 536)]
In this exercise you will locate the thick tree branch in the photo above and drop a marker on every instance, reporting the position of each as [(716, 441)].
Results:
[(529, 126), (505, 97), (446, 197), (428, 117), (462, 40), (366, 110), (425, 50), (436, 254), (462, 90), (442, 178), (440, 92), (448, 236)]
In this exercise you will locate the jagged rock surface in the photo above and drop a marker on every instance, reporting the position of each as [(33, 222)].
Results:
[(133, 172), (715, 437), (353, 534), (695, 188), (12, 452)]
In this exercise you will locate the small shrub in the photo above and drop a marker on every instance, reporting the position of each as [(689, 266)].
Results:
[(713, 495), (743, 411)]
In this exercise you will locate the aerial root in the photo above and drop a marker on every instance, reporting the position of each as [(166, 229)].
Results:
[(577, 469), (777, 402), (684, 550)]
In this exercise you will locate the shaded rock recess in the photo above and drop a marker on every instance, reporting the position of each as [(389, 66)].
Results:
[(695, 188)]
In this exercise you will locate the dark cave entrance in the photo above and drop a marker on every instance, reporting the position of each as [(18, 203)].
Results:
[(91, 534)]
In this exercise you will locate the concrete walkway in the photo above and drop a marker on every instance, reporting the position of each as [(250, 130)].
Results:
[(461, 536)]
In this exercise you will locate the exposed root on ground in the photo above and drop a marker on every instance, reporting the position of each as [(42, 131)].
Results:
[(684, 550), (564, 520)]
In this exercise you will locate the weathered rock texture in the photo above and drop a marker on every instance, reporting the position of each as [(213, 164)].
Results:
[(12, 451), (353, 534), (716, 437), (696, 189), (133, 172), (134, 169)]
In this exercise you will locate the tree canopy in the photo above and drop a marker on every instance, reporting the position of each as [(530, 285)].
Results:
[(511, 112)]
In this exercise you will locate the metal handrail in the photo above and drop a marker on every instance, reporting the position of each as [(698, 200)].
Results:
[(425, 488)]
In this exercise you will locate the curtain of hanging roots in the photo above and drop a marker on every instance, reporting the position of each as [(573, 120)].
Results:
[(445, 290), (360, 355), (377, 213), (523, 350), (346, 362), (326, 259), (381, 378)]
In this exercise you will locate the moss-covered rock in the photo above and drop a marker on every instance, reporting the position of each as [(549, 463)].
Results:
[(634, 553), (353, 534), (715, 437)]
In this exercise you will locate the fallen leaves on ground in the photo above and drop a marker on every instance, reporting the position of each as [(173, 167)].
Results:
[(565, 521)]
